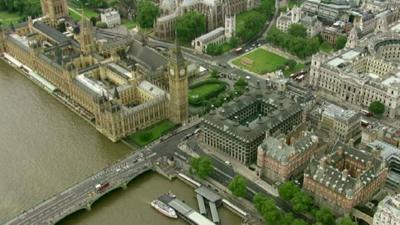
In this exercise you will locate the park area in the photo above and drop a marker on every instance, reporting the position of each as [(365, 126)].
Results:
[(150, 134), (203, 91), (261, 61)]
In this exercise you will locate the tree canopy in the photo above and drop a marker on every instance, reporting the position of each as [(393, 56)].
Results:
[(252, 24), (202, 166), (340, 42), (190, 25), (147, 12), (297, 30), (325, 216), (271, 214), (377, 107), (24, 8), (300, 46), (91, 3), (287, 190), (238, 186), (345, 221)]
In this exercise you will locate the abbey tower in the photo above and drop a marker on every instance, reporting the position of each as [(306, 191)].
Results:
[(54, 9)]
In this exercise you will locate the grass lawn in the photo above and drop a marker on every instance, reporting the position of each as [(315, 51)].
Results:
[(263, 61), (203, 90), (326, 47), (76, 17), (7, 18), (129, 24), (76, 11), (148, 135)]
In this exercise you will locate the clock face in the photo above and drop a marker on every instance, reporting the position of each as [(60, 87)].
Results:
[(172, 71), (182, 72)]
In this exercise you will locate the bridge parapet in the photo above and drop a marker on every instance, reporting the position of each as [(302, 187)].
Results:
[(84, 194)]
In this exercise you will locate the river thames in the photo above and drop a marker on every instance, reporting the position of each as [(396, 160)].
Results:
[(46, 148)]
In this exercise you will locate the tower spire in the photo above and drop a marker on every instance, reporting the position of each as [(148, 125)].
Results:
[(176, 53)]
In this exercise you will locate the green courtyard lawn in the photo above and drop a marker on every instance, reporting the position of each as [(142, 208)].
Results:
[(326, 47), (8, 18), (150, 134), (261, 61), (75, 12), (129, 24), (75, 16), (203, 91)]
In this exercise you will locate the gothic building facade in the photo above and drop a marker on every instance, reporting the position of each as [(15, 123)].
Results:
[(215, 12), (102, 86)]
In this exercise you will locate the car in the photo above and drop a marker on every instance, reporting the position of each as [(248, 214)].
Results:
[(248, 77), (228, 163)]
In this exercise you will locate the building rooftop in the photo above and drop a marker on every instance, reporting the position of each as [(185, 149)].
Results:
[(337, 112), (208, 194), (282, 152), (328, 172), (249, 129), (211, 35)]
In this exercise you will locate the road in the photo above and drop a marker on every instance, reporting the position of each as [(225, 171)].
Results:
[(220, 63), (208, 62), (224, 174)]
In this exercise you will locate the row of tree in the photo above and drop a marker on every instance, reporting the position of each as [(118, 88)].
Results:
[(22, 7), (297, 43), (273, 216)]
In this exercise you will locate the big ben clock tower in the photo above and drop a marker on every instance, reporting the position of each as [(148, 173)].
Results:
[(178, 86)]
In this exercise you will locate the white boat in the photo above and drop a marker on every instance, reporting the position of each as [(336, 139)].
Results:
[(164, 209)]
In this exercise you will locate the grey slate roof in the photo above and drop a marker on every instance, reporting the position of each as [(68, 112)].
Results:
[(220, 120), (325, 171)]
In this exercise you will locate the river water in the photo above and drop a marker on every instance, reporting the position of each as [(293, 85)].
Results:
[(45, 148)]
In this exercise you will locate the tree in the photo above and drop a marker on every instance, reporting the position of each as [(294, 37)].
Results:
[(325, 216), (291, 63), (299, 222), (238, 186), (301, 202), (190, 25), (214, 74), (93, 20), (297, 30), (233, 42), (346, 220), (287, 190), (147, 12), (214, 49), (340, 42), (201, 166), (267, 8), (377, 107), (252, 25)]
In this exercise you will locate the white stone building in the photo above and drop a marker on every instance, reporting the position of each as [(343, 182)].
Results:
[(388, 212), (363, 74), (111, 17), (296, 16), (340, 123), (216, 36)]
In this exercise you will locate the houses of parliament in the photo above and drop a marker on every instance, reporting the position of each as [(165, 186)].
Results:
[(118, 82)]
